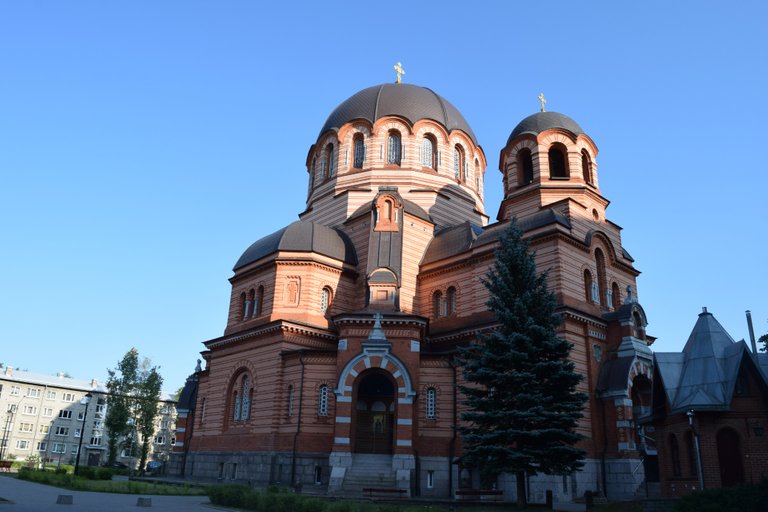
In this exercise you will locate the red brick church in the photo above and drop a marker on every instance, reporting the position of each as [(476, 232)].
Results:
[(336, 368)]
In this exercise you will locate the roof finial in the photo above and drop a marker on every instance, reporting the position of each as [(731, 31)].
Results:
[(543, 101), (400, 72)]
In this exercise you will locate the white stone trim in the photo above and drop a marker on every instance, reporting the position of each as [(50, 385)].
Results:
[(341, 440)]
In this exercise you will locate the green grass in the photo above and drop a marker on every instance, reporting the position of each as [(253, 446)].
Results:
[(68, 481)]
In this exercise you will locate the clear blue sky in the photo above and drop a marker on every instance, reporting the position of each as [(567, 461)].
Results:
[(144, 145)]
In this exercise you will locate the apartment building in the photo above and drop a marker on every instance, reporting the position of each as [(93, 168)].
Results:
[(55, 418)]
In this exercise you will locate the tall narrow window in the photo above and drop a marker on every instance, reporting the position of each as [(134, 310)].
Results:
[(259, 303), (525, 164), (249, 303), (431, 405), (450, 300), (322, 401), (325, 300), (586, 167), (638, 325), (674, 449), (236, 400), (601, 284), (393, 148), (359, 151), (459, 165), (437, 304), (243, 306), (616, 296), (330, 159), (245, 412), (588, 286), (429, 152), (557, 162), (690, 450), (477, 169)]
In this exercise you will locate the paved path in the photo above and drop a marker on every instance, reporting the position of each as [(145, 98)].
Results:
[(32, 497)]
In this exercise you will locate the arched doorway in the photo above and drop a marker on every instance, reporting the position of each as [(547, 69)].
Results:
[(729, 455), (374, 413)]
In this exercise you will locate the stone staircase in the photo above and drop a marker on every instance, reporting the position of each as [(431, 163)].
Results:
[(653, 490), (369, 470)]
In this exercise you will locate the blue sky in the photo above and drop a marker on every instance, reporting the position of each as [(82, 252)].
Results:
[(145, 145)]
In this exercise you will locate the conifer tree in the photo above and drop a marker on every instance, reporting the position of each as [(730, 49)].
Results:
[(520, 392)]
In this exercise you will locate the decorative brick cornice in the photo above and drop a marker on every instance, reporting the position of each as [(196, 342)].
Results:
[(279, 327)]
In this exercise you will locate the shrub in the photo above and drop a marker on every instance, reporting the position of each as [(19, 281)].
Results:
[(104, 474), (60, 471), (744, 498), (228, 495), (87, 472)]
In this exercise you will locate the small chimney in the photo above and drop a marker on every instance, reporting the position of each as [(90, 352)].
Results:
[(9, 371), (60, 375), (704, 309), (94, 383), (751, 332)]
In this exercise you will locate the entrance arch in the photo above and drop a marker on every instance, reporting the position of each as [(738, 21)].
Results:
[(374, 412), (729, 455)]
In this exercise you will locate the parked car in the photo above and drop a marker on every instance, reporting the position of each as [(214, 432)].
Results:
[(154, 467)]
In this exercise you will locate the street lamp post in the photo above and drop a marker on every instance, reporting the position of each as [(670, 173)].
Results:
[(86, 400), (690, 414)]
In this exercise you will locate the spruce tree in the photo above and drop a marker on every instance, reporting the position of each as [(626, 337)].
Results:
[(522, 406)]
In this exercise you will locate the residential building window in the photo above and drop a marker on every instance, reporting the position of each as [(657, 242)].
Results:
[(59, 448), (33, 392), (44, 429), (80, 415), (525, 163), (557, 162), (77, 432), (160, 440), (429, 152), (431, 403), (26, 427), (29, 409), (62, 431), (48, 411), (359, 148), (322, 401), (96, 440), (50, 395), (42, 446), (450, 301), (65, 414), (69, 397), (394, 149), (15, 390), (22, 444), (74, 449)]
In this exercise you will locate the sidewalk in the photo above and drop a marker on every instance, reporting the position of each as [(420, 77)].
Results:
[(32, 497)]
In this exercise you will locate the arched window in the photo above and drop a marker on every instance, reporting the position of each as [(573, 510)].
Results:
[(525, 164), (325, 299), (359, 144), (588, 286), (393, 148), (690, 449), (237, 404), (616, 295), (558, 165), (601, 284), (322, 401), (290, 400), (459, 165), (450, 301), (674, 451), (245, 411), (477, 171), (259, 303), (638, 326), (429, 152), (330, 159), (249, 303), (243, 307), (586, 167), (311, 177), (437, 304), (431, 405)]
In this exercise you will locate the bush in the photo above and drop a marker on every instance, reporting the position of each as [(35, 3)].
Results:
[(229, 495), (104, 474), (87, 472), (60, 471), (744, 498)]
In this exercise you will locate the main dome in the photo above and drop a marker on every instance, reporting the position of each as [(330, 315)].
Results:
[(408, 101)]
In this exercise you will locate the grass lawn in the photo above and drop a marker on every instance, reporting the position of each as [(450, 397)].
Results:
[(68, 481)]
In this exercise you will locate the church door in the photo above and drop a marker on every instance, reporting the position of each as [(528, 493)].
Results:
[(374, 413), (729, 453)]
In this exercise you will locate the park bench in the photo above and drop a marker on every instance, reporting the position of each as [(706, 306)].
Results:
[(377, 492), (479, 494), (5, 465)]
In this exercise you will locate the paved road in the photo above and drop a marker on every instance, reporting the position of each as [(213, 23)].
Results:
[(32, 497)]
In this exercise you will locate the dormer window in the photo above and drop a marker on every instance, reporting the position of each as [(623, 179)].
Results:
[(394, 148), (558, 163)]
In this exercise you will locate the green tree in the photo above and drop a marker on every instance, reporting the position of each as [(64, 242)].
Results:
[(521, 398), (121, 385), (764, 340), (147, 394)]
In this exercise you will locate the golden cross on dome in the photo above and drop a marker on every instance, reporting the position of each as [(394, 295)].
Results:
[(543, 101), (400, 72)]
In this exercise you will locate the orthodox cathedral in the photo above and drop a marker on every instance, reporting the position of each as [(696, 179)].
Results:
[(336, 370)]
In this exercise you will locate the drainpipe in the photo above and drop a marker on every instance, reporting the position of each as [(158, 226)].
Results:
[(452, 444), (752, 334), (605, 447), (298, 421)]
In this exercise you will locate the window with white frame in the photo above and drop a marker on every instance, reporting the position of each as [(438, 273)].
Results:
[(22, 444), (80, 415), (322, 401), (98, 424), (42, 446), (69, 397), (50, 395), (15, 390), (62, 431), (44, 429), (29, 409), (59, 448), (65, 414), (430, 479), (33, 392), (431, 403), (160, 440), (26, 427), (48, 411), (77, 432), (74, 449), (96, 440)]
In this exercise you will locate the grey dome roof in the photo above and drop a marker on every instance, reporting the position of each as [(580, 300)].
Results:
[(409, 101), (540, 121), (301, 236)]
